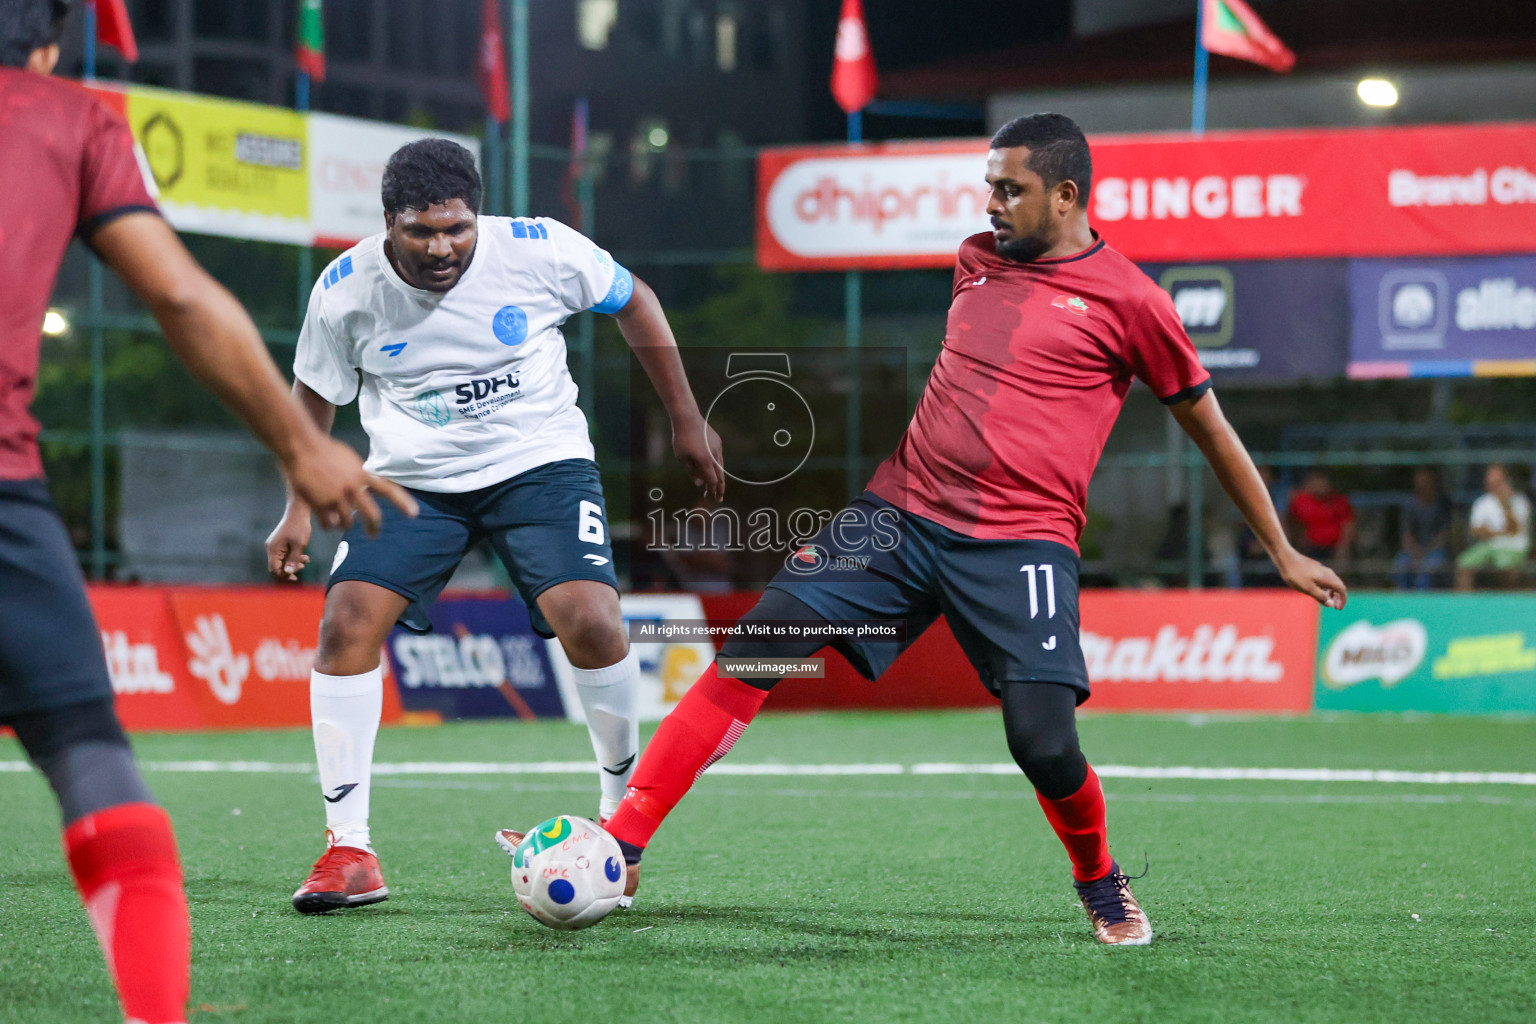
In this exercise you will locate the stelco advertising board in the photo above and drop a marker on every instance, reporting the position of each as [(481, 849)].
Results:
[(1317, 193)]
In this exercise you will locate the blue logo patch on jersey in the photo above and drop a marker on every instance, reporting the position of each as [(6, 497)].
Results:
[(337, 272), (528, 229), (510, 325), (394, 349)]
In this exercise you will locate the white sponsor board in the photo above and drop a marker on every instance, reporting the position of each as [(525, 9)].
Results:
[(667, 669), (346, 168)]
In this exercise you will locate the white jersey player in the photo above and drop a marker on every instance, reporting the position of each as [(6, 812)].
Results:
[(446, 330)]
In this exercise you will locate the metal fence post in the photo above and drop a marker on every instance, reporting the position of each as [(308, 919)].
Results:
[(98, 424), (1196, 506)]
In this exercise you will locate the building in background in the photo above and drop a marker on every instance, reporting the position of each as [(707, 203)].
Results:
[(664, 79), (1129, 63)]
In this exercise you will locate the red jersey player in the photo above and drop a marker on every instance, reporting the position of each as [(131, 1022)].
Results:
[(67, 168), (977, 514)]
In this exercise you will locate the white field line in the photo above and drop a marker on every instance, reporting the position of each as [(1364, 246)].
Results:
[(832, 770)]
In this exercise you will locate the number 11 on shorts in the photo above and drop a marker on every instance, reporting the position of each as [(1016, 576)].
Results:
[(1049, 573)]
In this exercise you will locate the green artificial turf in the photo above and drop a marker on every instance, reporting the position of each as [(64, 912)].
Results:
[(843, 898)]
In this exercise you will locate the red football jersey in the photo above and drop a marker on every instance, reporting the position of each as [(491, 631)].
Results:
[(1036, 362), (67, 167)]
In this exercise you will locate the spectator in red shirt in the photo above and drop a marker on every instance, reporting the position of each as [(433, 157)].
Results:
[(1321, 518)]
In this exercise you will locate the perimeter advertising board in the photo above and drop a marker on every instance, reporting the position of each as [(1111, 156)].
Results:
[(1457, 653), (1443, 318), (246, 170), (1180, 650), (1315, 193), (1265, 321), (482, 660), (667, 668), (213, 657)]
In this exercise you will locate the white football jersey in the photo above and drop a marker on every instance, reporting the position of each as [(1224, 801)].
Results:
[(466, 388)]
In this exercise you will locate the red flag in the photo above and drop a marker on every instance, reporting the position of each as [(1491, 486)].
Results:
[(491, 67), (1231, 28), (113, 28), (853, 69)]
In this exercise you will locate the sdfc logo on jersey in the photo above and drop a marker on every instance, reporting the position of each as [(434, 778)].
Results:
[(1071, 303)]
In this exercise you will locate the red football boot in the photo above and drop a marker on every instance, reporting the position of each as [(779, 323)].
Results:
[(344, 876)]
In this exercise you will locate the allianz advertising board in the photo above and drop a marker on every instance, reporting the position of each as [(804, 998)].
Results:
[(1262, 322), (1443, 317), (1453, 653)]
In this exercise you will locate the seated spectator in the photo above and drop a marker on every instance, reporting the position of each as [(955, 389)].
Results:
[(1322, 519), (1501, 531), (1426, 520)]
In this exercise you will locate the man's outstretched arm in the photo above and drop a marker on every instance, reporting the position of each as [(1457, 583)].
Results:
[(644, 326), (1204, 422), (210, 332)]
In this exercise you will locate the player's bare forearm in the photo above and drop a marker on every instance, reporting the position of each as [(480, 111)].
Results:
[(323, 415), (644, 326), (1206, 425)]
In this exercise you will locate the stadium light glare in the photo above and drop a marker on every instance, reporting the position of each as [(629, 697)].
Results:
[(1377, 92), (55, 323), (658, 137)]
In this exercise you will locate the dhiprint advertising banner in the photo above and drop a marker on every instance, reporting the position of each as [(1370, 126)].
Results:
[(1454, 653), (1443, 318), (246, 170), (1315, 193)]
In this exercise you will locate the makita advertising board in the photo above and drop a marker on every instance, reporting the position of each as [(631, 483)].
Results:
[(1268, 321), (1199, 650), (1313, 193), (1456, 653), (1443, 318), (482, 660)]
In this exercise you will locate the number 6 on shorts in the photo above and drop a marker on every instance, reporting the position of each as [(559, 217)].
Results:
[(589, 527)]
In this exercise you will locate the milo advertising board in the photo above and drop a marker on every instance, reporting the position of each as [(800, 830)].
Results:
[(1456, 653)]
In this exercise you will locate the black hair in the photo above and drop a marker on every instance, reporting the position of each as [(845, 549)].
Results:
[(1058, 151), (430, 171), (27, 25)]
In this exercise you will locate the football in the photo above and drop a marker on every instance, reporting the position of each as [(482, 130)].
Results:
[(568, 873)]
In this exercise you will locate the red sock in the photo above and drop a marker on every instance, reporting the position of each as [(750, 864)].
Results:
[(125, 866), (700, 731), (1080, 825)]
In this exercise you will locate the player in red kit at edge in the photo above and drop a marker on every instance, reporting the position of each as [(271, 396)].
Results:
[(1047, 328), (68, 168)]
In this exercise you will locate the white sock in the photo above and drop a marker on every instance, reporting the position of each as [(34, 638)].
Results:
[(608, 697), (345, 713)]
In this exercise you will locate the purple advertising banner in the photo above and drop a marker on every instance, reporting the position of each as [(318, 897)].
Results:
[(1262, 322), (1443, 318), (482, 660)]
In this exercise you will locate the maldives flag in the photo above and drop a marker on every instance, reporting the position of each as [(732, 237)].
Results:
[(309, 48), (491, 67), (113, 28), (1231, 28), (853, 68)]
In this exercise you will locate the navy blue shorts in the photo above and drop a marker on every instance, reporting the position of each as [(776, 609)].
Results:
[(1012, 604), (50, 648), (548, 526)]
